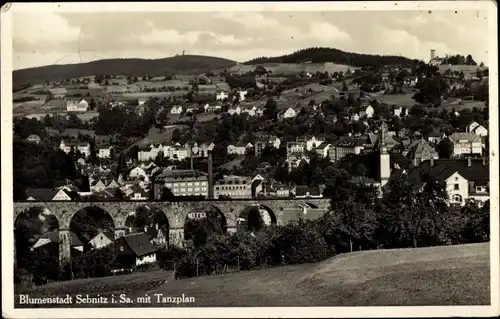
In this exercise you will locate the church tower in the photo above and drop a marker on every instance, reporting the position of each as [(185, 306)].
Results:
[(385, 161)]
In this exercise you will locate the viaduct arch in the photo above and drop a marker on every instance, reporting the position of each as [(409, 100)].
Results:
[(285, 210)]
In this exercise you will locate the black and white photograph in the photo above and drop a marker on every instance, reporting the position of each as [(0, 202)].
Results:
[(274, 159)]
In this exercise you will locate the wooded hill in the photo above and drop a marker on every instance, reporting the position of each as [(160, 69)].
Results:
[(187, 64), (321, 55)]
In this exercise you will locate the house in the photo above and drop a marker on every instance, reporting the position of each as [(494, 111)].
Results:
[(221, 96), (253, 111), (48, 194), (345, 145), (323, 149), (369, 111), (420, 151), (294, 161), (289, 113), (33, 138), (73, 106), (102, 239), (466, 143), (181, 182), (113, 184), (234, 110), (104, 151), (158, 236), (400, 111), (142, 101), (192, 108), (295, 148), (311, 142), (134, 250), (282, 190), (477, 129), (176, 152), (434, 138), (233, 187), (466, 179), (242, 95), (240, 148), (176, 109), (97, 186), (138, 173), (59, 93), (307, 192), (147, 153), (82, 147), (212, 108), (52, 238), (200, 150)]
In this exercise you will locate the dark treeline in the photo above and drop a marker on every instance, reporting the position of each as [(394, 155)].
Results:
[(189, 64), (320, 55)]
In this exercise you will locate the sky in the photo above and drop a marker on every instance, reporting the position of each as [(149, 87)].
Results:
[(45, 38)]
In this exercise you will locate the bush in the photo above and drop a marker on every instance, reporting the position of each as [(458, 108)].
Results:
[(186, 267), (167, 258)]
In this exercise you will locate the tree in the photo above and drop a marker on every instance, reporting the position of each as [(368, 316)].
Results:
[(176, 135), (445, 148), (469, 60), (414, 215), (271, 109)]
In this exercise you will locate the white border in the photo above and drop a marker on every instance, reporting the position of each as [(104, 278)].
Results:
[(6, 152)]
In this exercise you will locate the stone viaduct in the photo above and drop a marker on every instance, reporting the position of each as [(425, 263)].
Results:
[(281, 211)]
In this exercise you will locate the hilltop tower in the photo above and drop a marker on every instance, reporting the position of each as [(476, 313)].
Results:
[(385, 161), (433, 54)]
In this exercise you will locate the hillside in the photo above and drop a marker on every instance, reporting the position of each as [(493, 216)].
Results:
[(188, 64), (446, 275), (321, 55)]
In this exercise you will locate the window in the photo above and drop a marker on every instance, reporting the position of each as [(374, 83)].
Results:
[(456, 187), (457, 198), (121, 248)]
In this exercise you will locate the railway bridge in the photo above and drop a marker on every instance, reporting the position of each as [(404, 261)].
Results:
[(281, 211)]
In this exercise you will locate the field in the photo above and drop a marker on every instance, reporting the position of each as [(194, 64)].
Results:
[(467, 69), (292, 68), (449, 275), (396, 99)]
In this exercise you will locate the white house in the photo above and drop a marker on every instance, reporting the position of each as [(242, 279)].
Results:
[(73, 106), (176, 109), (313, 142), (101, 240), (142, 101), (104, 151), (242, 95), (83, 148), (400, 111), (477, 129), (466, 143), (253, 111), (234, 110), (221, 96), (137, 173), (97, 186), (149, 152), (369, 111), (288, 113), (466, 179), (239, 149)]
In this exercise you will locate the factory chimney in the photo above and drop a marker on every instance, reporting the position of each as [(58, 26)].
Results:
[(210, 177), (191, 156), (433, 54)]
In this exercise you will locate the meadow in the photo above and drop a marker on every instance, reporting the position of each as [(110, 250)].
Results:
[(446, 275)]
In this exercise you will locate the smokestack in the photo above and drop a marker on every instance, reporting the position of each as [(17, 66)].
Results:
[(432, 161), (210, 177), (433, 54), (469, 162), (191, 156)]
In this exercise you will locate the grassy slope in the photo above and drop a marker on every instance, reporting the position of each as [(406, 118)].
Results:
[(452, 275), (189, 64)]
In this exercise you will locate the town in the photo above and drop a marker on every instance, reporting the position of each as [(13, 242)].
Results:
[(349, 135)]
